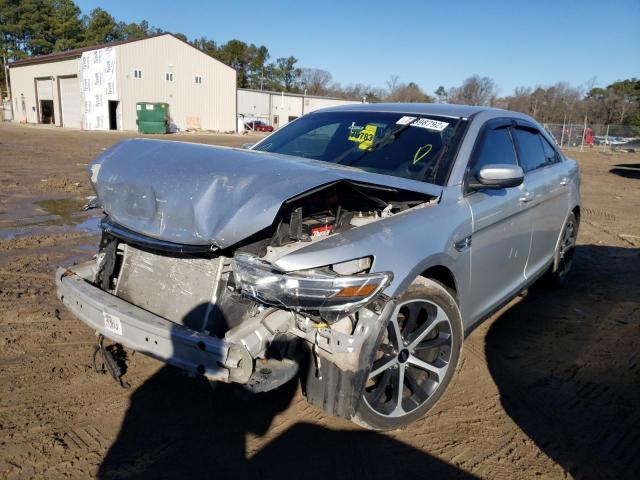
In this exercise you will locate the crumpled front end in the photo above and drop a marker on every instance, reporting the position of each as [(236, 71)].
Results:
[(187, 270)]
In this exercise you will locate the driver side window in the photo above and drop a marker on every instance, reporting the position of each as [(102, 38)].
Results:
[(496, 147), (313, 143)]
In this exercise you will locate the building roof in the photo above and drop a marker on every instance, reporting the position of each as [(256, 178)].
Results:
[(289, 94), (77, 52)]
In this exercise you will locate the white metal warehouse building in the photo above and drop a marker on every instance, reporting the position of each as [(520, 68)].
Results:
[(278, 108), (97, 88)]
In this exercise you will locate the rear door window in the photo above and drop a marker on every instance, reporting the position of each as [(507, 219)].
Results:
[(532, 155)]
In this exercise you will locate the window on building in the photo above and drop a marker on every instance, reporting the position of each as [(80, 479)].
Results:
[(168, 76), (137, 74), (198, 80)]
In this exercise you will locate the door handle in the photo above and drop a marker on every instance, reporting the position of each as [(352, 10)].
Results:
[(564, 181), (463, 244), (526, 197)]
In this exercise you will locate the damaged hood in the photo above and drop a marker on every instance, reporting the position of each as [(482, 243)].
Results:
[(204, 195)]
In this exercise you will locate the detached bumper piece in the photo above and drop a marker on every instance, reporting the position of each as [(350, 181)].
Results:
[(143, 331)]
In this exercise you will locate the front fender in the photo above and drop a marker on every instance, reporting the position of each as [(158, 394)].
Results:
[(405, 244)]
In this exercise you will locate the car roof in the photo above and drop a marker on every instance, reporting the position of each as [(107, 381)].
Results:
[(443, 109)]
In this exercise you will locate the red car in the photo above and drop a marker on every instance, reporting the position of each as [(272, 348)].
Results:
[(258, 126)]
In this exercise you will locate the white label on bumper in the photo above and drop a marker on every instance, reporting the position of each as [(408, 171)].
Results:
[(112, 323)]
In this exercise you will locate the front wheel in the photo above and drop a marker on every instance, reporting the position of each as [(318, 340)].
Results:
[(416, 358)]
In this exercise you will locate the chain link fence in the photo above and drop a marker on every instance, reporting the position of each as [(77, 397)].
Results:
[(588, 136)]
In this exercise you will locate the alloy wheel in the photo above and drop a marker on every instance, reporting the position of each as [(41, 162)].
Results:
[(412, 360), (567, 248)]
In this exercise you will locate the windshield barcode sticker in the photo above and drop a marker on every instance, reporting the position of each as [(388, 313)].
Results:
[(405, 120), (430, 124)]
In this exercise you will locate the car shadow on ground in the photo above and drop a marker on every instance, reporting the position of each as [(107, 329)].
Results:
[(178, 427), (570, 376), (627, 170)]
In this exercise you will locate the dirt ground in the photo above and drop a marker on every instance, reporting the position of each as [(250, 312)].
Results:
[(549, 387)]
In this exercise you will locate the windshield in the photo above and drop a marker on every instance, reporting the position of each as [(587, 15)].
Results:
[(404, 145)]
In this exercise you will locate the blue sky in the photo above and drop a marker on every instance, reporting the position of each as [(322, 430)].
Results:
[(431, 43)]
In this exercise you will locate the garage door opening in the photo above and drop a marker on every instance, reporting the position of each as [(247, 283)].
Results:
[(113, 114), (44, 99), (46, 111)]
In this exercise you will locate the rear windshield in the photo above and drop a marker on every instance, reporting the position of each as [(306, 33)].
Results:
[(403, 145)]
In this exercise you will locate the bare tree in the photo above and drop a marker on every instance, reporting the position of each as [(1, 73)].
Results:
[(475, 90), (408, 93), (392, 83), (315, 81)]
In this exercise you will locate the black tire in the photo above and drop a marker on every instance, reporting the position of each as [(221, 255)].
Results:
[(556, 276), (437, 344)]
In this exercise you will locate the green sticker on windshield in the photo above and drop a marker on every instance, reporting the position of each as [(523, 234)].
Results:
[(364, 136), (422, 152)]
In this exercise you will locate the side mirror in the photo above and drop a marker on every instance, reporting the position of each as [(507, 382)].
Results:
[(247, 146), (498, 176)]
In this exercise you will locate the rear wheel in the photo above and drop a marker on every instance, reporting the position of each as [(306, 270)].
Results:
[(564, 253), (416, 358)]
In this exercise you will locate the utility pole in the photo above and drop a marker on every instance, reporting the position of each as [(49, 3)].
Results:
[(584, 132), (6, 73), (304, 96), (6, 79)]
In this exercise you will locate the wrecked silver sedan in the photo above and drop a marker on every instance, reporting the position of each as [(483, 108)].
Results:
[(353, 248)]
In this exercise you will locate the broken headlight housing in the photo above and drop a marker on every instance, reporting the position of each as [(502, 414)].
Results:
[(319, 290)]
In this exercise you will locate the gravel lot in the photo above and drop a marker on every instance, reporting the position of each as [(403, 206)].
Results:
[(549, 387)]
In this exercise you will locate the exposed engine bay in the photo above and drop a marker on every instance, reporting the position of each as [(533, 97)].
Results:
[(328, 210)]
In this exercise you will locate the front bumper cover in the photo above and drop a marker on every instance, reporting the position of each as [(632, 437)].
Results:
[(148, 333)]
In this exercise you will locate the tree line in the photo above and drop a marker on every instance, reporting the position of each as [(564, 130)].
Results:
[(39, 27), (617, 103)]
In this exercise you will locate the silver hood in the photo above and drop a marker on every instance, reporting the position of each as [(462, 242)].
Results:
[(204, 195)]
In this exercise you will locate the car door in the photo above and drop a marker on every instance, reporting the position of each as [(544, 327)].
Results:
[(501, 226), (559, 176), (543, 192)]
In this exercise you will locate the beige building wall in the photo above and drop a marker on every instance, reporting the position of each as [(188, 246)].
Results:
[(23, 87), (276, 108), (254, 105), (315, 103), (210, 105), (284, 107)]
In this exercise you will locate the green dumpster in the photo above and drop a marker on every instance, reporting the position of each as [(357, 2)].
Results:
[(152, 117)]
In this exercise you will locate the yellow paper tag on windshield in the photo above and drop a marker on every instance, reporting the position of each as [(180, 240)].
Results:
[(363, 135)]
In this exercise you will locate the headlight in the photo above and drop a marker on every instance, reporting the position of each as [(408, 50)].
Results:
[(306, 290)]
